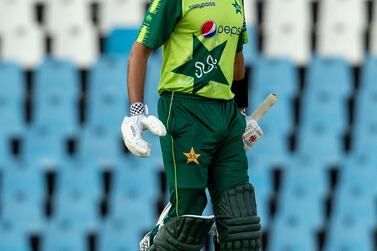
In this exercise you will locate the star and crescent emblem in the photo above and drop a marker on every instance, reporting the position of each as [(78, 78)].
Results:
[(204, 66), (192, 156)]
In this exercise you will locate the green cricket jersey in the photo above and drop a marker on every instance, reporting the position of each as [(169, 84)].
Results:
[(200, 39)]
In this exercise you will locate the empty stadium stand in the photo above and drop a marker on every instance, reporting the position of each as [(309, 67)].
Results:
[(65, 174)]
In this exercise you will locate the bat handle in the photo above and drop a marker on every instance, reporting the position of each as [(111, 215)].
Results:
[(264, 107)]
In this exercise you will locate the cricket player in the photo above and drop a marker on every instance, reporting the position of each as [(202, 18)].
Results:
[(200, 126)]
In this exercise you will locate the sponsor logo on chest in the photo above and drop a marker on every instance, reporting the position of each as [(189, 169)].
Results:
[(202, 5), (210, 29)]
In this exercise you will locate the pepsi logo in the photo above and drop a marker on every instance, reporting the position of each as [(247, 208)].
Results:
[(209, 29)]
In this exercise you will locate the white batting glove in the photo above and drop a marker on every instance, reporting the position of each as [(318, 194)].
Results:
[(252, 133), (133, 126)]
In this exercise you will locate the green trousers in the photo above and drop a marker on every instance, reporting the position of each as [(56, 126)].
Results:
[(203, 148)]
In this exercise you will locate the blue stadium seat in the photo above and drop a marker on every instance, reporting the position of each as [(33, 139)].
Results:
[(358, 160), (365, 141), (116, 234), (369, 75), (272, 147), (357, 199), (306, 176), (360, 171), (261, 179), (255, 161), (15, 209), (80, 213), (58, 114), (11, 238), (70, 180), (311, 145), (279, 76), (108, 75), (127, 178), (348, 234), (119, 42), (332, 76), (56, 235), (53, 76), (22, 183), (289, 233), (304, 189), (275, 75), (55, 108), (43, 147), (310, 211), (365, 106), (5, 153), (324, 111), (107, 100), (98, 146), (11, 100), (137, 213), (341, 213), (250, 50)]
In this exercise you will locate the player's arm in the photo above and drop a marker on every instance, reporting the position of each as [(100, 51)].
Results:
[(239, 67), (137, 67), (158, 24), (139, 120)]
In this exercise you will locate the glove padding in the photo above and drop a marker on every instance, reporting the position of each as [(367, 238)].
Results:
[(252, 133), (132, 128)]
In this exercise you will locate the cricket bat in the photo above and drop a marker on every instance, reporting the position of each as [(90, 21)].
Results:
[(264, 107)]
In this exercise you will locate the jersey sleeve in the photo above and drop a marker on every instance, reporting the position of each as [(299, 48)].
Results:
[(243, 38), (159, 22)]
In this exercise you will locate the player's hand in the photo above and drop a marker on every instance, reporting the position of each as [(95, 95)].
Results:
[(132, 128), (252, 133)]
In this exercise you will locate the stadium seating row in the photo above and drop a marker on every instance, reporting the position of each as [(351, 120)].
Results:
[(76, 207), (300, 207), (324, 114), (300, 204), (26, 45), (69, 25), (60, 15), (290, 23)]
